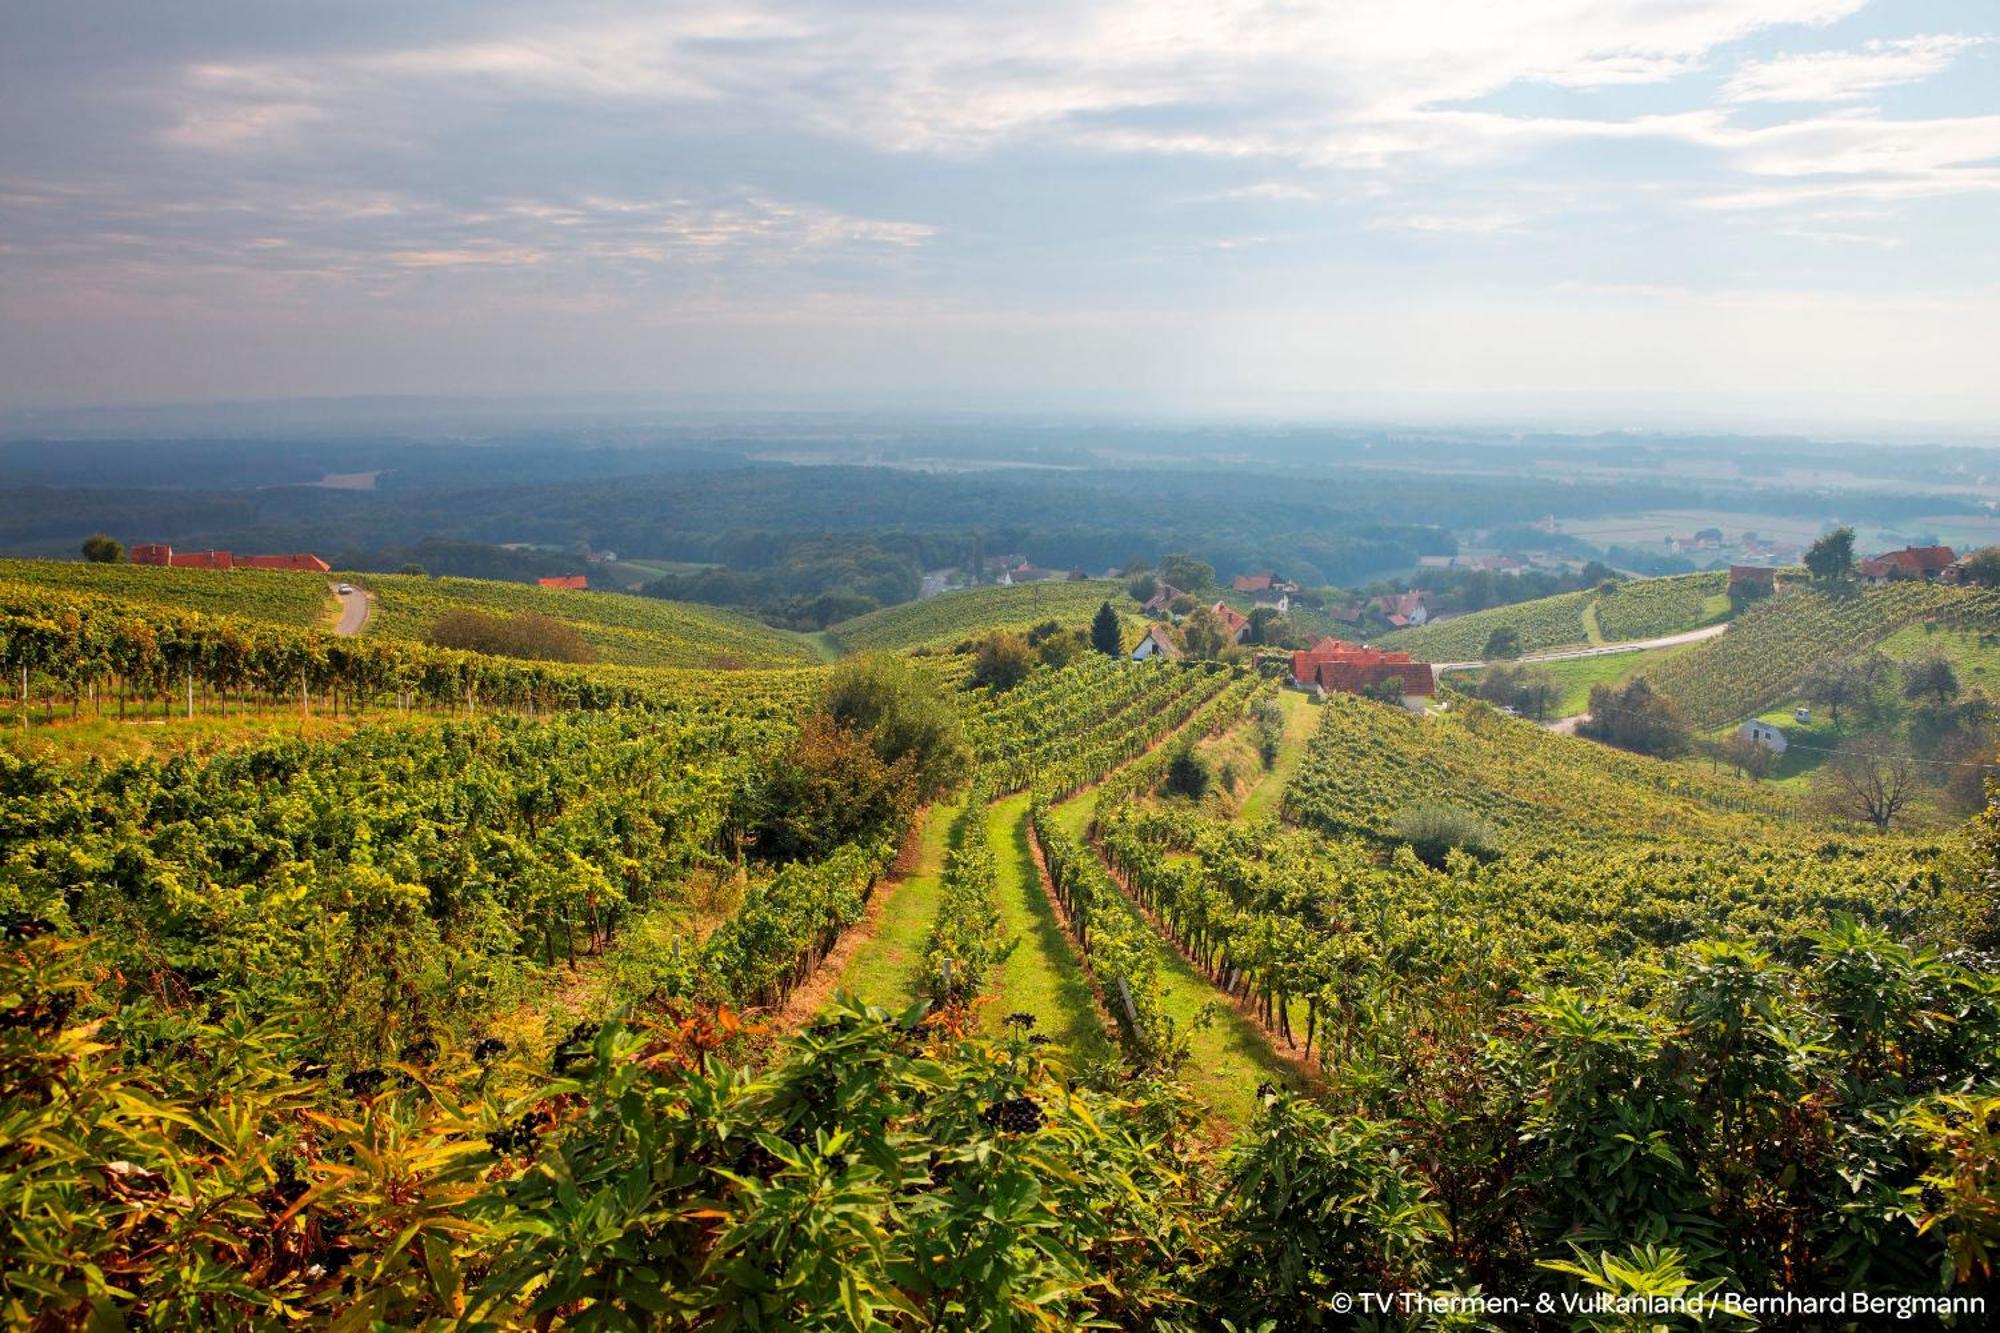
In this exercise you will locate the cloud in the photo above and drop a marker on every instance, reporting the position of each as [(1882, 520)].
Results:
[(1844, 76)]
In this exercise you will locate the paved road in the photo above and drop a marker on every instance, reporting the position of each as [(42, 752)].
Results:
[(1598, 650), (353, 612)]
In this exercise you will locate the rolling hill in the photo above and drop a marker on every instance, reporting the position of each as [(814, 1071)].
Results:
[(1633, 609), (952, 617)]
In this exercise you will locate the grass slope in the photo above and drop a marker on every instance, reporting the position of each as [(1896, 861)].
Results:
[(885, 970), (625, 630), (1042, 976), (952, 617)]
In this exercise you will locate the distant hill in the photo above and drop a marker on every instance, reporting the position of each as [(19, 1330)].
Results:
[(623, 630), (954, 616)]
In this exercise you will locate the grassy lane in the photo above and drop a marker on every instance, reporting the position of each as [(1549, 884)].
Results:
[(1300, 719), (1042, 976), (885, 970), (1228, 1057)]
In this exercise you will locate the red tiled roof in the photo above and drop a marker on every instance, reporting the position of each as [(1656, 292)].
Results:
[(1252, 583), (1916, 561), (1232, 619), (1335, 664), (1763, 574)]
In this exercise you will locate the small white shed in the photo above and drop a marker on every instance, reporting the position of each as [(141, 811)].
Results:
[(1764, 734)]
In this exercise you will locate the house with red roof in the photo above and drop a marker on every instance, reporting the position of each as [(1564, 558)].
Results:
[(1157, 643), (566, 583), (1252, 582), (1403, 608), (1163, 598), (1912, 562), (159, 553), (1752, 580), (1356, 668), (1233, 621)]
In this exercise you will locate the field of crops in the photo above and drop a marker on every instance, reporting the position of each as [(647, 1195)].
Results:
[(1776, 641), (1547, 622), (302, 600), (1367, 762), (1653, 608), (1060, 729), (953, 617), (69, 647), (624, 630)]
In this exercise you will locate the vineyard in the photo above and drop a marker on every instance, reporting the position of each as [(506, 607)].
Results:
[(1072, 726), (953, 617), (1541, 625), (1365, 764), (1773, 643), (1654, 608), (300, 600), (623, 630), (281, 1020)]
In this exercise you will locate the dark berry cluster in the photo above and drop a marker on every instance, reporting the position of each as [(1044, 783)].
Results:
[(518, 1138), (364, 1082), (1016, 1115), (1019, 1019), (489, 1049), (1037, 1039), (575, 1050), (1933, 1199), (20, 927), (419, 1052)]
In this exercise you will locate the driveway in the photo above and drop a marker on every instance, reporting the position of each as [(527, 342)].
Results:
[(354, 607), (1595, 650)]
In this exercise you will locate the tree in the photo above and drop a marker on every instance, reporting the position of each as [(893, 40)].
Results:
[(1831, 558), (1832, 683), (1982, 567), (829, 787), (1635, 718), (1203, 634), (1107, 636), (1868, 783), (905, 714), (1269, 626), (1002, 661), (1187, 774), (1142, 586), (1930, 678), (1187, 573), (528, 635), (1503, 642), (1748, 757), (99, 549)]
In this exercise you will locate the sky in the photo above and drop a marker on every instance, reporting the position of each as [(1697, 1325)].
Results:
[(1734, 206)]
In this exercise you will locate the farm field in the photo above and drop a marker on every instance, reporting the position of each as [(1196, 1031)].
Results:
[(297, 599), (1773, 643), (1574, 677), (952, 617), (1624, 611), (624, 630)]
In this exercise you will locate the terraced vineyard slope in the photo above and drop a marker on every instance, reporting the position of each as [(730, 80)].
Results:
[(1776, 641), (953, 617)]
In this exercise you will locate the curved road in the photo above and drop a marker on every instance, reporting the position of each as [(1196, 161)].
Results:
[(353, 612), (1596, 650)]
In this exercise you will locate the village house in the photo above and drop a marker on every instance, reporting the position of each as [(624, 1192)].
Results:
[(1355, 668), (566, 583), (1157, 643), (1912, 562), (1403, 608), (1252, 582), (1163, 598), (1234, 622), (158, 553), (1752, 580)]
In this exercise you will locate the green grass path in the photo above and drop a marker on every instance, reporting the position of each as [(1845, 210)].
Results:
[(1300, 719), (1042, 976), (885, 970)]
